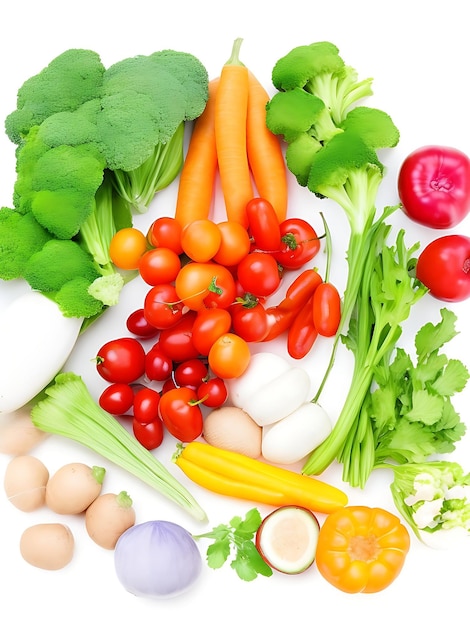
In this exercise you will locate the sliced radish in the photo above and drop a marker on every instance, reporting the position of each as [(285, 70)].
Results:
[(287, 539)]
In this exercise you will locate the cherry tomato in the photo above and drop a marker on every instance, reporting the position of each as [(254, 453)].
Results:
[(168, 384), (208, 326), (258, 273), (150, 435), (177, 341), (158, 365), (302, 333), (181, 413), (212, 392), (229, 356), (361, 549), (117, 398), (434, 186), (300, 243), (444, 268), (201, 239), (263, 224), (127, 247), (234, 244), (300, 290), (162, 306), (326, 309), (145, 406), (207, 285), (165, 232), (249, 321), (121, 360), (160, 265), (138, 325), (190, 373)]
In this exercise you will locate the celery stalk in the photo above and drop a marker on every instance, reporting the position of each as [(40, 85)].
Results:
[(70, 411)]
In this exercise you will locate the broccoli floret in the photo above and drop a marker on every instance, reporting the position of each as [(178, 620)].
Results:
[(295, 112), (373, 125), (69, 80), (74, 299), (58, 262), (20, 237), (318, 69), (64, 182)]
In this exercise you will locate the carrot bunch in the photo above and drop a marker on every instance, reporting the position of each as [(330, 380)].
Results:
[(231, 138)]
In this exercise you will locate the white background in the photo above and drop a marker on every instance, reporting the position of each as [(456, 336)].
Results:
[(418, 54)]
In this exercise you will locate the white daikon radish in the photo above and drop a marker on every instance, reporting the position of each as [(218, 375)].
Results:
[(35, 342)]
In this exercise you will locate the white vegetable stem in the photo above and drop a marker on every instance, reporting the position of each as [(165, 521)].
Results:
[(35, 342)]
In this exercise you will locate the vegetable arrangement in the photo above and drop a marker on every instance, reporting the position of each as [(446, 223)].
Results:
[(188, 370)]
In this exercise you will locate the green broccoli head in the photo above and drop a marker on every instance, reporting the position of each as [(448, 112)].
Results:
[(302, 63), (71, 128), (69, 80), (374, 126), (318, 69), (58, 262), (64, 183), (74, 299), (292, 113), (20, 237)]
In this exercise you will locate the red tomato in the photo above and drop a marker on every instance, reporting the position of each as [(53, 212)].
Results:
[(444, 268), (209, 325), (263, 224), (138, 325), (229, 356), (434, 186), (158, 365), (162, 306), (190, 373), (165, 231), (117, 398), (249, 321), (181, 414), (258, 273), (300, 243), (150, 436), (326, 309), (212, 392), (160, 265), (145, 406), (207, 285), (121, 360), (302, 333), (177, 341)]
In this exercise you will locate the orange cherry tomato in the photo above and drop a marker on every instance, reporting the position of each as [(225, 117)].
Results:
[(235, 244), (361, 549), (200, 240), (229, 356), (207, 285), (127, 247)]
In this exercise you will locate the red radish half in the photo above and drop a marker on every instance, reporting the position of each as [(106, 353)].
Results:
[(287, 539)]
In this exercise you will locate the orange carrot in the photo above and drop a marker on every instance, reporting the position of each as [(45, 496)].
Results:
[(265, 155), (231, 108), (197, 180)]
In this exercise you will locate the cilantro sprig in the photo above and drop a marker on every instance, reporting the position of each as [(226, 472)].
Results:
[(235, 541)]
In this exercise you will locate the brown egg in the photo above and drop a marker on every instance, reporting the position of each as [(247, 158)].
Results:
[(47, 546), (73, 487), (25, 482), (231, 428), (108, 517)]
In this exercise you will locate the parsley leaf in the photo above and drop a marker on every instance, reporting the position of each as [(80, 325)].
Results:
[(235, 540)]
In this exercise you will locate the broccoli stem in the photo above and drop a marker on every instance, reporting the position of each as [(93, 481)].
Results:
[(69, 410)]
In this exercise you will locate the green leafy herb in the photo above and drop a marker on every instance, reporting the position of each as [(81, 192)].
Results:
[(235, 540), (411, 410)]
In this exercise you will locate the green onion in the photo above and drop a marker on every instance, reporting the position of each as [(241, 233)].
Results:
[(70, 411)]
